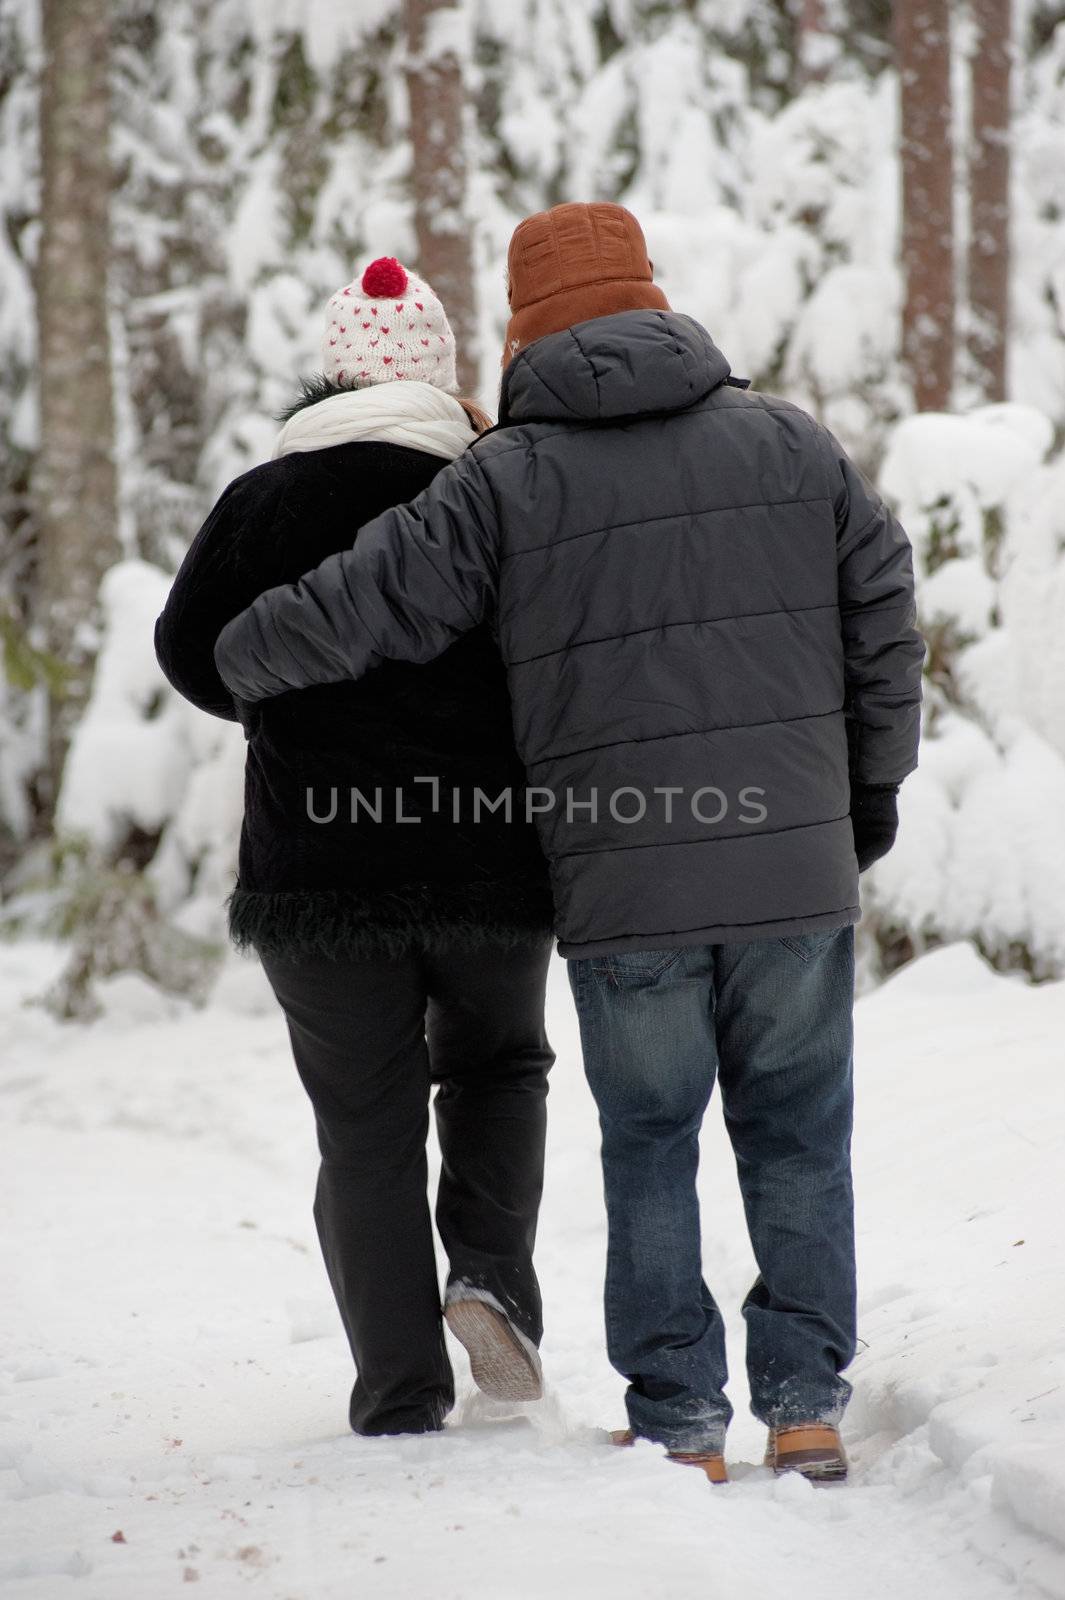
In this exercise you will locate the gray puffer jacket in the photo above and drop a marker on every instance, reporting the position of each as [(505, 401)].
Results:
[(707, 619)]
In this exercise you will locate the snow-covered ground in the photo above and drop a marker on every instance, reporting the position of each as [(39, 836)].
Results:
[(173, 1384)]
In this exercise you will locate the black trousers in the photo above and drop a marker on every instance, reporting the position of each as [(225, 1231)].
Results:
[(370, 1038)]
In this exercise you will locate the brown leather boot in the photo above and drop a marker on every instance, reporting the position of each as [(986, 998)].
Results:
[(713, 1465), (813, 1449)]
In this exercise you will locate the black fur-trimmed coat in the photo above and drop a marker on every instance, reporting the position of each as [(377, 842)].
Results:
[(363, 888)]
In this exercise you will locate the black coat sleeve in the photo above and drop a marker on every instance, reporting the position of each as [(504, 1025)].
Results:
[(222, 572), (418, 577), (883, 651)]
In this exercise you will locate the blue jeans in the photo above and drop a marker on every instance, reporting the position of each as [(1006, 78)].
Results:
[(772, 1020)]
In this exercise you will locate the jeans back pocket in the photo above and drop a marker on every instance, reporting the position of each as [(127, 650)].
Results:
[(807, 945), (631, 969)]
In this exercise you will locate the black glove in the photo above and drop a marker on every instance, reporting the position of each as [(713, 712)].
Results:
[(875, 820)]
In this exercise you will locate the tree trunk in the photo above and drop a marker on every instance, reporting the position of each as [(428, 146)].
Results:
[(817, 47), (922, 45), (74, 475), (438, 140), (989, 192)]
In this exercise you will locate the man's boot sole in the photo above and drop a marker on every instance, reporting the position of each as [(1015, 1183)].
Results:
[(502, 1367), (815, 1452)]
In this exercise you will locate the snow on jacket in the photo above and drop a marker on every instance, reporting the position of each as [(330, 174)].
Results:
[(694, 591), (339, 887)]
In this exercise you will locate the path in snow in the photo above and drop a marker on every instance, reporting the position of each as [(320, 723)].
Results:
[(175, 1372)]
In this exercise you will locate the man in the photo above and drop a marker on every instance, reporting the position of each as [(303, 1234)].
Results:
[(707, 619)]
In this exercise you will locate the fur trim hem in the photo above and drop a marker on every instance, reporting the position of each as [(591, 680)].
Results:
[(337, 924)]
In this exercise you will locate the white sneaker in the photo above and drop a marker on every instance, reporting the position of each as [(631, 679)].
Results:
[(504, 1363)]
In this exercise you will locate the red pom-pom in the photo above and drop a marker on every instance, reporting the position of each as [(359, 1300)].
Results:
[(384, 278)]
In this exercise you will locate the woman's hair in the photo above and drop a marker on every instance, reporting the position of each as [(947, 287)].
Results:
[(480, 421), (316, 387)]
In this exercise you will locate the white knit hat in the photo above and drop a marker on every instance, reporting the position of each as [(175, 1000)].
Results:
[(385, 326)]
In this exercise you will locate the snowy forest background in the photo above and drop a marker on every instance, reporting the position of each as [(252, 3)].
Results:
[(182, 186)]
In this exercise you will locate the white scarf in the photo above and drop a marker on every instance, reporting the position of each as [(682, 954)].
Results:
[(417, 415)]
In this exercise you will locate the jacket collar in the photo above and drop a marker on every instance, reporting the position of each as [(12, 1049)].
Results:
[(629, 365)]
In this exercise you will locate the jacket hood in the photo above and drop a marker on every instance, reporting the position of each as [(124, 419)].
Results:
[(621, 366)]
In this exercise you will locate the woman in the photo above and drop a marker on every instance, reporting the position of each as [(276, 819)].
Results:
[(405, 935)]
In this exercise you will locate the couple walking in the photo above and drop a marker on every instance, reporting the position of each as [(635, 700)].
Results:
[(653, 630)]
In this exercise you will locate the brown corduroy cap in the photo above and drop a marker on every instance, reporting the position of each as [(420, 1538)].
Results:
[(571, 264)]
